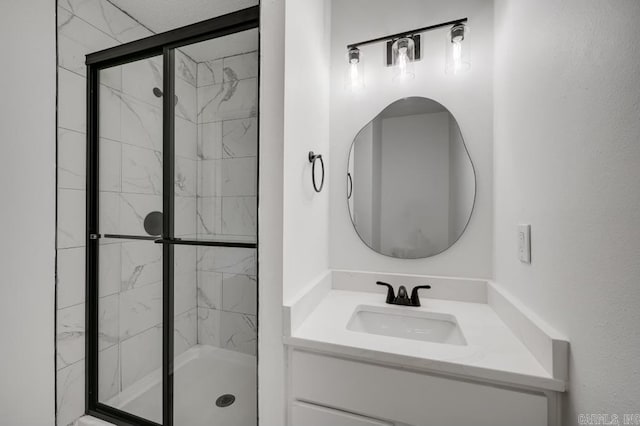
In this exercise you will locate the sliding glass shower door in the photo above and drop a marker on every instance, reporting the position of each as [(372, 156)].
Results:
[(172, 227), (215, 208), (130, 281)]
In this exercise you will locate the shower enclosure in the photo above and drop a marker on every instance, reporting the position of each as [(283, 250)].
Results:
[(171, 288)]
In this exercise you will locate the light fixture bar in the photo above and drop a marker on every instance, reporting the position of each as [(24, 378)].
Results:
[(406, 33)]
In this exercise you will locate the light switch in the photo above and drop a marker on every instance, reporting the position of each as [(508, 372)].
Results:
[(524, 243)]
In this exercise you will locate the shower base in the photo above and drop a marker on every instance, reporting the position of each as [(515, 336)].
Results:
[(201, 375)]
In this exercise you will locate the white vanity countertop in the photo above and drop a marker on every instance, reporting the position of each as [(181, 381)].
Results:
[(493, 352)]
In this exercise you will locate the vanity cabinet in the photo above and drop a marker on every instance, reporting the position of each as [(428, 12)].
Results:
[(326, 390), (305, 414)]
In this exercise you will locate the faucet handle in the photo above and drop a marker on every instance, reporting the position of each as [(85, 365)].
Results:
[(391, 295), (415, 300)]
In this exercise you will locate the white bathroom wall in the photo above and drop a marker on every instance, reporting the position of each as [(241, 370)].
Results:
[(306, 121), (27, 187), (567, 102), (271, 371), (467, 96)]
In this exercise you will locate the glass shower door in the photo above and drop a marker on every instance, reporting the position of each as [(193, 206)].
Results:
[(130, 284), (172, 226), (215, 226)]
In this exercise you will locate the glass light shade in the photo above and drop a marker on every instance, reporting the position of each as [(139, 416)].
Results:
[(354, 74), (403, 54), (457, 50)]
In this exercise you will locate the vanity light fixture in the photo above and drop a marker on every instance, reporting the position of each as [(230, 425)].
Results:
[(355, 71), (403, 55), (403, 49), (457, 50)]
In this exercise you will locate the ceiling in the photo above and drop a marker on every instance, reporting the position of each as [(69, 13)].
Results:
[(164, 15)]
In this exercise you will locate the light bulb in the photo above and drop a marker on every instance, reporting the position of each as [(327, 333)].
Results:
[(353, 67), (402, 62), (456, 53)]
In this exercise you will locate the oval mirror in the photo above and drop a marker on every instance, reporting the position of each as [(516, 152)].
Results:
[(410, 181)]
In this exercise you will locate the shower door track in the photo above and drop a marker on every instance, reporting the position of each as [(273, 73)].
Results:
[(160, 44)]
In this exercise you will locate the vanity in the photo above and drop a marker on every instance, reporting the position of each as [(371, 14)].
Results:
[(369, 348), (468, 356)]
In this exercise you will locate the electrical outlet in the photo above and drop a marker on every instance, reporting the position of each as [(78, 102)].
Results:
[(524, 243)]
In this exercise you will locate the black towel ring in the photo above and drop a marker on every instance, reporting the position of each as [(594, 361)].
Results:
[(350, 186), (312, 159)]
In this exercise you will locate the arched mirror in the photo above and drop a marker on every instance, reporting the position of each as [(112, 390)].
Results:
[(410, 181)]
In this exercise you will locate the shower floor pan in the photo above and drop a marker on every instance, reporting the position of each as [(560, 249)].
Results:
[(201, 375)]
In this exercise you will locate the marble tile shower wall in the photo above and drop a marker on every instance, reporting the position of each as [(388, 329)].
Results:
[(216, 149), (227, 204), (130, 188), (130, 185)]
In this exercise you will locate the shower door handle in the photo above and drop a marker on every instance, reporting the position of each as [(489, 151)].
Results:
[(168, 241), (181, 242)]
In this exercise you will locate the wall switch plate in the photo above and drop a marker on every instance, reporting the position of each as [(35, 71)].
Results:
[(524, 243)]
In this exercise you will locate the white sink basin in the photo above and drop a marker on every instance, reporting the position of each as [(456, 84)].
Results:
[(407, 324)]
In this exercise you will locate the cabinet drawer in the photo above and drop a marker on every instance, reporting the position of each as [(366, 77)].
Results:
[(410, 397), (303, 414)]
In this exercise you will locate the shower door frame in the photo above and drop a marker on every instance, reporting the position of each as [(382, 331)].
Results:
[(161, 44)]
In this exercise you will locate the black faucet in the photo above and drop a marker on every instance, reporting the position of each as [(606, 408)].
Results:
[(402, 298)]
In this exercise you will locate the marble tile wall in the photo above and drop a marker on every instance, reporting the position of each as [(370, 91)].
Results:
[(227, 298), (131, 158), (130, 185), (227, 146), (227, 92), (216, 149), (83, 26)]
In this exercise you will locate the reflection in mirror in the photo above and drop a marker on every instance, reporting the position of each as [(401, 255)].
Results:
[(410, 180)]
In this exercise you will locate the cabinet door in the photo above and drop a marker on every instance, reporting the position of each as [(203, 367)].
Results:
[(409, 397), (303, 414)]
